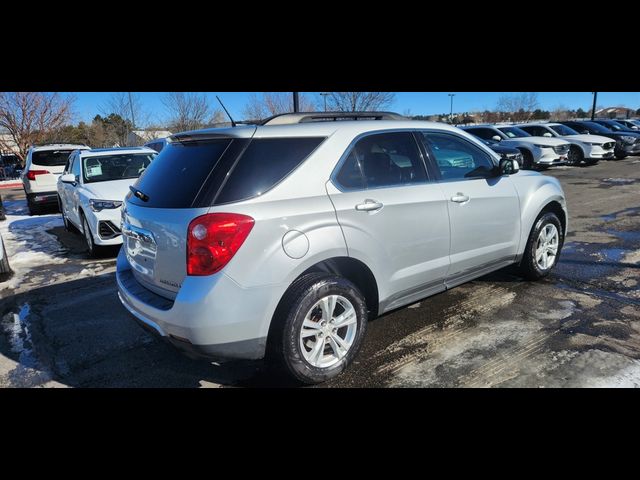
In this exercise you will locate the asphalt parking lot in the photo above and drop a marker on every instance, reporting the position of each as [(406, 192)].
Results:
[(62, 325)]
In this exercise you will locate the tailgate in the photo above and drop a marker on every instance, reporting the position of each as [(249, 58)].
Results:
[(154, 242)]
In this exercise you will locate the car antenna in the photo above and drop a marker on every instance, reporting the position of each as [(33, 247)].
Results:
[(233, 124)]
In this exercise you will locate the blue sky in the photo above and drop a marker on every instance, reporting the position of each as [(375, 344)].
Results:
[(88, 103)]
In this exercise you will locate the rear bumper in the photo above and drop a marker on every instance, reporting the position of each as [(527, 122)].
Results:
[(210, 317), (43, 198)]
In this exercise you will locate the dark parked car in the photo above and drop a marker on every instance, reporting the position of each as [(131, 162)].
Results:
[(503, 151), (627, 142), (632, 124)]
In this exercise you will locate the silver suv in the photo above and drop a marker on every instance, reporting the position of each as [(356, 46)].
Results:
[(283, 239)]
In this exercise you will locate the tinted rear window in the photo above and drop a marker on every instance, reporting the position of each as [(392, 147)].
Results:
[(50, 158), (175, 177), (263, 165), (203, 173)]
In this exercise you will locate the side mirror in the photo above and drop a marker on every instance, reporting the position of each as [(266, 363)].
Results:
[(508, 166), (547, 134), (69, 178), (497, 138)]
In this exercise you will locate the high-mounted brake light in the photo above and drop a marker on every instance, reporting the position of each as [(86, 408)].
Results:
[(31, 174), (213, 239)]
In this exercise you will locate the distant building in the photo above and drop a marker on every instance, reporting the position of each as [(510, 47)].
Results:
[(615, 112), (140, 137)]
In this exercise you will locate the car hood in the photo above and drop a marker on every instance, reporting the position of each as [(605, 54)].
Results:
[(589, 138), (550, 142), (503, 149), (113, 190)]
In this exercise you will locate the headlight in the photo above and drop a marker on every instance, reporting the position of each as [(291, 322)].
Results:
[(595, 144), (629, 139), (544, 146), (98, 205)]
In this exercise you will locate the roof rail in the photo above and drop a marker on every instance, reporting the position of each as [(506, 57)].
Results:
[(304, 117), (58, 143)]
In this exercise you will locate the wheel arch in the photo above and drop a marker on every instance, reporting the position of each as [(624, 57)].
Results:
[(348, 267)]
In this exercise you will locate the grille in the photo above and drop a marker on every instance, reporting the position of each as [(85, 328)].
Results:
[(108, 230), (561, 150)]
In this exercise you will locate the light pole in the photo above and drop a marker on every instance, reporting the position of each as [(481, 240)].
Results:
[(593, 110), (325, 95), (296, 102), (451, 95)]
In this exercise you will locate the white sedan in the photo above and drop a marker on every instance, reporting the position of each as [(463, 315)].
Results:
[(92, 188)]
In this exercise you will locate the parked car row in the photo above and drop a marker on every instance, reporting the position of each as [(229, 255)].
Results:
[(542, 145)]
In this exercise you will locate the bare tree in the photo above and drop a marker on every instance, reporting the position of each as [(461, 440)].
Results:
[(560, 113), (274, 103), (29, 117), (127, 105), (518, 107), (359, 101), (187, 111)]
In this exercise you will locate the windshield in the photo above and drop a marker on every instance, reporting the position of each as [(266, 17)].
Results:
[(50, 158), (596, 127), (120, 166), (620, 127), (563, 130), (513, 132)]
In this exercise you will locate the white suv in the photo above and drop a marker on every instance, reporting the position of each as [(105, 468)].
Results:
[(584, 148), (43, 166), (537, 152), (92, 189), (283, 239)]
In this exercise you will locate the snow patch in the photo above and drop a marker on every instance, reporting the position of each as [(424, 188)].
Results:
[(27, 242)]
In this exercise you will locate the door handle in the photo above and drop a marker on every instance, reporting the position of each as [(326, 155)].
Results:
[(460, 198), (369, 206)]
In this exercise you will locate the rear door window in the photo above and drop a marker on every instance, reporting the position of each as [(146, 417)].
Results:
[(384, 160), (50, 158)]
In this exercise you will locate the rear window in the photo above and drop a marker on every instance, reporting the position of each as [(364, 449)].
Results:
[(50, 158), (264, 164), (175, 177), (203, 173)]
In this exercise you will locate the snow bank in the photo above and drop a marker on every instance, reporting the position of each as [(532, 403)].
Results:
[(27, 242)]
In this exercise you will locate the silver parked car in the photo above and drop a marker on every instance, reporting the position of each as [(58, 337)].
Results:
[(283, 239)]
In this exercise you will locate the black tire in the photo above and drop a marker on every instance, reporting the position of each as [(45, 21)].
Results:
[(619, 153), (5, 269), (33, 209), (575, 156), (92, 248), (527, 160), (68, 226), (528, 266), (284, 349)]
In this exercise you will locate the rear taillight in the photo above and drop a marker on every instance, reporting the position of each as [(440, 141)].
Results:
[(213, 239), (31, 174)]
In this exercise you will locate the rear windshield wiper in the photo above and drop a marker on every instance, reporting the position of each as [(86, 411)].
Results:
[(142, 196)]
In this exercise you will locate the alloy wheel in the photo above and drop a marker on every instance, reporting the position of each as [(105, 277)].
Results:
[(328, 331), (547, 247)]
